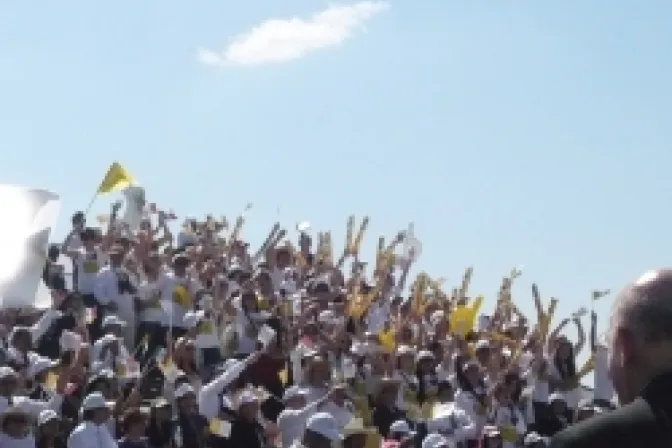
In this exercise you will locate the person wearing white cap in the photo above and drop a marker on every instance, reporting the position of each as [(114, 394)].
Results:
[(48, 430), (447, 418), (293, 418), (93, 431), (400, 430), (246, 431), (9, 381), (321, 431), (192, 425), (38, 369), (110, 350)]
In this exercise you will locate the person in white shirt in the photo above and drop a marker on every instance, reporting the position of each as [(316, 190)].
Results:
[(11, 397), (93, 431), (88, 258), (204, 329), (179, 290), (15, 430), (292, 420), (153, 319), (110, 351), (115, 290), (448, 419)]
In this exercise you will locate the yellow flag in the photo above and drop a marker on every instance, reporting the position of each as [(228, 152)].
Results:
[(50, 381), (117, 178), (283, 376), (463, 318), (387, 339)]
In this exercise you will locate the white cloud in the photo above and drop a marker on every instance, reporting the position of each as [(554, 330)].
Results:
[(282, 40)]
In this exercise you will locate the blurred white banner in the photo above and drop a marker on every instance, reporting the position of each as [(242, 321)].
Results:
[(29, 214)]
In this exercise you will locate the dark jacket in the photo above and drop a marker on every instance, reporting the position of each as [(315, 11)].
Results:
[(247, 434), (644, 423)]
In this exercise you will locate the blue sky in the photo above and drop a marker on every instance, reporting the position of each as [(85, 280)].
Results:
[(511, 133)]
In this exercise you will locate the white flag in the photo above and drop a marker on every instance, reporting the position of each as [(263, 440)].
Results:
[(29, 214)]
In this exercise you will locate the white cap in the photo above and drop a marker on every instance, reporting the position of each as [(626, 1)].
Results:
[(293, 392), (184, 389), (424, 354), (39, 364), (483, 343), (46, 416), (113, 320), (94, 400), (533, 438), (192, 318), (326, 317), (6, 372), (405, 350), (325, 425), (437, 317), (556, 397), (400, 427), (246, 397), (435, 441)]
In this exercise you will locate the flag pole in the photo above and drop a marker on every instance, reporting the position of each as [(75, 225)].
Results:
[(88, 207)]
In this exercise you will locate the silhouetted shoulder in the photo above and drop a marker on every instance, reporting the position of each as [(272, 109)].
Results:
[(633, 425)]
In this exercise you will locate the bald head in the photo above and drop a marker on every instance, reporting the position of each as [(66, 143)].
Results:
[(645, 306)]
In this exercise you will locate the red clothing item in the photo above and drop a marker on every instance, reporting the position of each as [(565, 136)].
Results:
[(264, 372)]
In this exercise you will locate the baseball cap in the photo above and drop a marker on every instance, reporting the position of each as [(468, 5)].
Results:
[(400, 427), (46, 416), (293, 392), (325, 425), (435, 441)]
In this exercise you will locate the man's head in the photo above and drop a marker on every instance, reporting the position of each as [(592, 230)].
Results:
[(640, 334), (321, 431)]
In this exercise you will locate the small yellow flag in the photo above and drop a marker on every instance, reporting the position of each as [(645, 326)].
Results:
[(117, 178), (50, 381), (283, 376)]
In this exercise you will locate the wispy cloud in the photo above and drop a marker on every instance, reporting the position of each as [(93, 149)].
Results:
[(283, 40)]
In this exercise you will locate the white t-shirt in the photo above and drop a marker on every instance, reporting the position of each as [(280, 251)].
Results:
[(603, 387), (246, 344), (148, 291), (88, 265), (168, 285), (207, 333)]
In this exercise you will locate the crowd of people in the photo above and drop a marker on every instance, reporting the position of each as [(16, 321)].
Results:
[(198, 340)]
